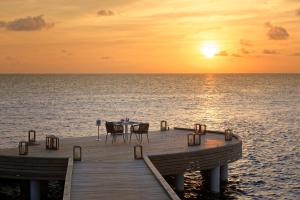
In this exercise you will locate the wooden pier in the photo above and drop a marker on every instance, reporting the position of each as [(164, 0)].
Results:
[(109, 171)]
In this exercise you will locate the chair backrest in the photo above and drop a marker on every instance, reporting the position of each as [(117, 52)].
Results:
[(109, 127), (118, 128), (112, 128), (143, 128)]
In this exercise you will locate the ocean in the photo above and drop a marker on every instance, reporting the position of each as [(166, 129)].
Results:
[(264, 109)]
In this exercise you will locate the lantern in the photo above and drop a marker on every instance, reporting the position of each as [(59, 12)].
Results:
[(23, 148), (193, 139), (52, 142), (31, 137), (55, 143), (163, 125), (48, 141), (197, 128), (190, 139), (197, 139), (202, 129), (77, 153), (138, 152), (228, 135)]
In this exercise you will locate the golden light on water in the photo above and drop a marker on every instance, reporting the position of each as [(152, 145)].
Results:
[(209, 49)]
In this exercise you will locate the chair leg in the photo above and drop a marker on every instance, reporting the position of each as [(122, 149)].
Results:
[(130, 138), (141, 138), (106, 138), (113, 139), (137, 137)]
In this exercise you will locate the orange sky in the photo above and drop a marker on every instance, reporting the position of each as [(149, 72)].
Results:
[(141, 36)]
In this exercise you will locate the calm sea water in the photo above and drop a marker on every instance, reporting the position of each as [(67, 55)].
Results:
[(263, 109)]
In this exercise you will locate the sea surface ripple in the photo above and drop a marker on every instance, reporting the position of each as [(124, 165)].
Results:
[(264, 109)]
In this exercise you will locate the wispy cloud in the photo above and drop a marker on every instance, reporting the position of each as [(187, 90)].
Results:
[(10, 58), (296, 54), (222, 53), (26, 24), (236, 55), (270, 51), (245, 42), (2, 24), (105, 13), (66, 53), (298, 12), (106, 58), (245, 51), (276, 32)]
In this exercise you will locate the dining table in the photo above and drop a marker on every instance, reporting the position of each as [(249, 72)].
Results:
[(127, 123)]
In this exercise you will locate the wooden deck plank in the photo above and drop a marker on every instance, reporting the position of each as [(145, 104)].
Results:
[(108, 171)]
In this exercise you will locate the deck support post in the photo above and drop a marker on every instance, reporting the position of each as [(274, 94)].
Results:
[(179, 182), (35, 190), (25, 188), (215, 179), (224, 172)]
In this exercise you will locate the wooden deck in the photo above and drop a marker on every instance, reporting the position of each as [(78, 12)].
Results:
[(109, 171)]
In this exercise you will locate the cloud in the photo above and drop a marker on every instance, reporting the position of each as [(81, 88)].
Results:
[(270, 51), (296, 54), (236, 55), (10, 58), (106, 58), (2, 24), (66, 53), (245, 42), (276, 32), (245, 51), (222, 53), (105, 13), (225, 53), (26, 24)]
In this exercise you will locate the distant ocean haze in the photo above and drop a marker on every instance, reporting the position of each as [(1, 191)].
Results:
[(264, 109)]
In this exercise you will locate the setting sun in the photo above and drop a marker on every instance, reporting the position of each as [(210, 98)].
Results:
[(209, 49)]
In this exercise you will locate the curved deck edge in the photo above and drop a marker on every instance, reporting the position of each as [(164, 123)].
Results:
[(68, 180), (202, 159), (160, 179)]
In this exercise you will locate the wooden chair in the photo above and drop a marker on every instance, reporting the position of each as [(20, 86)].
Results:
[(139, 130), (114, 129)]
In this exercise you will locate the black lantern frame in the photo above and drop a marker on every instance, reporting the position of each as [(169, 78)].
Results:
[(228, 135), (193, 139), (163, 125), (31, 137), (138, 152), (77, 153), (202, 129), (197, 139), (190, 139), (197, 128), (52, 142), (23, 148)]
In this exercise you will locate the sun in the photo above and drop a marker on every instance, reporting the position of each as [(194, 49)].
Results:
[(209, 49)]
